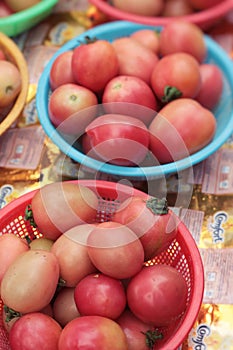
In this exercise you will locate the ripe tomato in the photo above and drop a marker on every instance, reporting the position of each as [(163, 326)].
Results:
[(140, 336), (10, 82), (129, 95), (183, 33), (211, 85), (138, 7), (92, 333), (119, 139), (101, 295), (162, 292), (181, 128), (30, 281), (64, 307), (173, 8), (71, 252), (134, 58), (35, 331), (70, 108), (61, 64), (59, 206), (176, 75), (18, 6), (148, 38), (115, 250), (11, 246), (151, 220), (94, 64)]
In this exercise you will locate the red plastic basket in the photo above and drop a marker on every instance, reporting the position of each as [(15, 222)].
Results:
[(183, 254)]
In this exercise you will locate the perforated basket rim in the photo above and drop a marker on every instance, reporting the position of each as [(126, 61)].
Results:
[(8, 212)]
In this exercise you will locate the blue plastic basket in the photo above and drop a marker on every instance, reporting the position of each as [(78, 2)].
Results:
[(223, 112)]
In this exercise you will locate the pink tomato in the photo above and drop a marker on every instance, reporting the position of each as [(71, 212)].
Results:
[(162, 292), (61, 70), (101, 295), (94, 64), (211, 85), (119, 139), (70, 109), (134, 58), (35, 331), (181, 128), (129, 95), (115, 250)]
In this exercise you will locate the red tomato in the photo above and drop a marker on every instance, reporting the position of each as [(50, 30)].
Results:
[(176, 75), (71, 108), (119, 139), (94, 64), (71, 252), (92, 333), (115, 250), (140, 336), (11, 246), (101, 295), (30, 281), (183, 33), (59, 206), (35, 331), (131, 96), (139, 7), (64, 307), (211, 85), (134, 58), (162, 292), (10, 82), (151, 220), (62, 64), (148, 38), (181, 128)]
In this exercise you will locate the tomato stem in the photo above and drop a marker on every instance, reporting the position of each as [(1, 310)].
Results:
[(29, 216), (171, 93), (157, 206), (10, 313), (152, 337)]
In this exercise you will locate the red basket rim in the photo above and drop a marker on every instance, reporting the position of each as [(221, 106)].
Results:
[(202, 18), (197, 265)]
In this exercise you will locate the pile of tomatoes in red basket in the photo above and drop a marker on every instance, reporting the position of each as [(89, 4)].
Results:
[(156, 91), (87, 283)]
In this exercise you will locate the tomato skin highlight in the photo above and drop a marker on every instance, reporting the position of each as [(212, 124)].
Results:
[(92, 333), (162, 292)]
